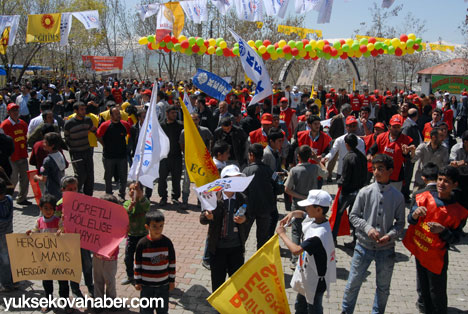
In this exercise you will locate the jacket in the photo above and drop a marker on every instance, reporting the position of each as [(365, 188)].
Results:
[(238, 139)]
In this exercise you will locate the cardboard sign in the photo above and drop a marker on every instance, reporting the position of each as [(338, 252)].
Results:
[(44, 256), (102, 225)]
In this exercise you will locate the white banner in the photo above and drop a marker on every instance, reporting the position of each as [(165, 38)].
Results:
[(304, 6), (90, 19), (223, 5), (196, 10), (276, 7), (11, 21), (255, 69), (164, 24), (152, 147), (147, 10), (188, 103), (249, 10), (207, 193), (325, 12), (65, 27)]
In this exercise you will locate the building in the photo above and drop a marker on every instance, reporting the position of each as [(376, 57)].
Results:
[(451, 76)]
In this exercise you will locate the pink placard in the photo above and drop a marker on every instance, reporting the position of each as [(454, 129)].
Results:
[(102, 225)]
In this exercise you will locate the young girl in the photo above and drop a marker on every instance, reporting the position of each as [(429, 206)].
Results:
[(48, 222)]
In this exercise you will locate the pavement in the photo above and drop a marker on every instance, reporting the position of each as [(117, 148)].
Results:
[(193, 283)]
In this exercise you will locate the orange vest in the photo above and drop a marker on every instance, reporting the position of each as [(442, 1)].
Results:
[(427, 132), (257, 136), (318, 147), (286, 116), (426, 246)]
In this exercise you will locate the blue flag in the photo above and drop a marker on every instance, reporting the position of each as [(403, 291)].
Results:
[(211, 84)]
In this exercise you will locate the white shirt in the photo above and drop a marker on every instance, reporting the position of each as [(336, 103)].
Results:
[(340, 147), (295, 99), (34, 123)]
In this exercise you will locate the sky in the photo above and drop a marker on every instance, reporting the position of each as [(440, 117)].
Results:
[(442, 18)]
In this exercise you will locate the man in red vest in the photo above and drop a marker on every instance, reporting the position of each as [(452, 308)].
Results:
[(355, 102), (369, 141), (288, 115), (317, 140), (436, 120), (260, 135), (436, 221)]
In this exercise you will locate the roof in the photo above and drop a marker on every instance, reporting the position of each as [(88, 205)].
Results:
[(453, 67)]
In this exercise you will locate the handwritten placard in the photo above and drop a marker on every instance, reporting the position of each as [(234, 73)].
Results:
[(102, 225), (44, 256)]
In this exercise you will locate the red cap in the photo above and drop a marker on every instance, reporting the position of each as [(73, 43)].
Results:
[(116, 84), (396, 120), (389, 93), (464, 94), (350, 120), (267, 118), (11, 106), (379, 125), (147, 92), (332, 90), (212, 102), (401, 91), (376, 91), (284, 99), (245, 90)]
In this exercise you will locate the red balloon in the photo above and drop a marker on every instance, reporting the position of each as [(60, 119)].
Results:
[(398, 52), (149, 46), (307, 57), (195, 48), (276, 46), (185, 44), (315, 58), (167, 38), (344, 56), (326, 42), (372, 40), (287, 49), (326, 48), (403, 37), (416, 46), (174, 40), (333, 51), (226, 52), (342, 42), (374, 53), (363, 48), (266, 43), (381, 51), (294, 51), (266, 56), (305, 41), (166, 50), (206, 43)]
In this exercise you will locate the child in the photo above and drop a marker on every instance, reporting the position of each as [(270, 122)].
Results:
[(155, 263), (105, 268), (53, 168), (220, 154), (137, 207), (6, 226), (312, 277), (48, 222)]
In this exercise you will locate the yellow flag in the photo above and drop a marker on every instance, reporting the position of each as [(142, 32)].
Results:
[(4, 40), (312, 92), (354, 85), (256, 287), (179, 17), (43, 28), (200, 166)]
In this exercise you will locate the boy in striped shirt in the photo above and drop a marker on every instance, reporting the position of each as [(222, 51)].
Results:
[(155, 263)]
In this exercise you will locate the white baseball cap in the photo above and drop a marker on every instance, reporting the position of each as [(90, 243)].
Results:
[(231, 171), (316, 197)]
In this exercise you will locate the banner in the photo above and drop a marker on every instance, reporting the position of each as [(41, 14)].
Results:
[(223, 5), (325, 12), (187, 102), (256, 287), (152, 147), (44, 256), (90, 19), (12, 22), (276, 7), (43, 28), (35, 186), (344, 228), (102, 225), (249, 10), (65, 27), (301, 32), (451, 84), (4, 40), (211, 84), (255, 69), (100, 63), (304, 6), (147, 10), (170, 19), (196, 10)]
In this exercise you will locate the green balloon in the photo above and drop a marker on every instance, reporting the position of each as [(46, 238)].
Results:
[(363, 41), (385, 47), (258, 43), (235, 51), (409, 43), (279, 50), (320, 53), (162, 44), (420, 48), (200, 42), (335, 57), (151, 38), (345, 47), (288, 56), (188, 52), (337, 44), (218, 40), (391, 50), (418, 40), (378, 45), (177, 47), (219, 51), (170, 45), (327, 56), (236, 45), (297, 57), (292, 44), (299, 45), (192, 41), (200, 53), (308, 47), (259, 53), (270, 49), (355, 47), (367, 54)]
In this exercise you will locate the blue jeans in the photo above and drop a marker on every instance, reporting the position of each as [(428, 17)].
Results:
[(302, 307), (5, 274), (362, 258), (155, 292)]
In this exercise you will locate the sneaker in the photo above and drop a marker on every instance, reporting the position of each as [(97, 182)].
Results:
[(163, 202), (206, 265), (24, 203), (175, 202), (184, 206), (127, 281)]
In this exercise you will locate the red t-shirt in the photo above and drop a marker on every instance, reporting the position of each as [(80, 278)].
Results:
[(318, 146), (18, 133), (117, 93), (393, 149), (356, 103), (334, 98), (427, 131)]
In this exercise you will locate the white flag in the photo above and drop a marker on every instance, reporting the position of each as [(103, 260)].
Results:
[(249, 10), (276, 7), (255, 69), (147, 10), (188, 103), (325, 12), (223, 5), (11, 21), (164, 23), (65, 27), (90, 19), (152, 147), (304, 6), (388, 3), (196, 10)]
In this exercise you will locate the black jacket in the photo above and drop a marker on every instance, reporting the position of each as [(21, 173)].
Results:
[(237, 138), (261, 200), (250, 123), (354, 173), (173, 131), (412, 130)]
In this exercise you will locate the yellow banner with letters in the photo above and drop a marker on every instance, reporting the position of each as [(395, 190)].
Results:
[(43, 28), (256, 287)]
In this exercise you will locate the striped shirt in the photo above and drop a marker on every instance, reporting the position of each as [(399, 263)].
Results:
[(155, 262), (76, 134)]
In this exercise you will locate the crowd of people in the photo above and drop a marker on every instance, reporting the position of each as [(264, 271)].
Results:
[(294, 142)]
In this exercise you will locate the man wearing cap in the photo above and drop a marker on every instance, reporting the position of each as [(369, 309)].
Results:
[(316, 268), (145, 97), (22, 102), (339, 146), (288, 115), (369, 140), (317, 140), (117, 93), (17, 129), (411, 129), (378, 98), (396, 145), (436, 120), (260, 135), (332, 96)]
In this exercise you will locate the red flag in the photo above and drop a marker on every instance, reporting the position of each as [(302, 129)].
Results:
[(344, 223), (35, 186)]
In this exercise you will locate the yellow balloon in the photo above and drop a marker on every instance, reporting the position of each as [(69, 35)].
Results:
[(320, 44), (281, 55), (143, 41), (349, 42), (182, 50), (403, 45), (155, 46), (412, 36), (212, 42), (395, 42), (387, 42), (370, 46), (262, 49), (203, 49), (340, 52), (358, 54), (223, 44), (302, 53), (282, 43), (211, 49), (351, 53), (312, 54), (182, 38), (313, 44), (404, 52), (251, 43), (410, 51)]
